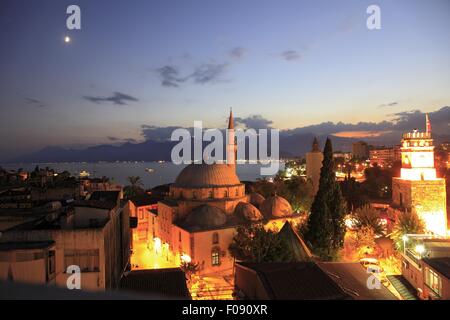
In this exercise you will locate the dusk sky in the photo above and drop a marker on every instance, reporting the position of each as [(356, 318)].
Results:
[(168, 63)]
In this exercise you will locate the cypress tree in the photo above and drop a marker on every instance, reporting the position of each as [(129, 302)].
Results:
[(326, 228)]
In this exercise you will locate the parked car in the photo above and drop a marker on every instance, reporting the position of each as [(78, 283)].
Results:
[(369, 261)]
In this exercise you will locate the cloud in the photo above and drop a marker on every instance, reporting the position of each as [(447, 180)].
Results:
[(205, 73), (117, 98), (399, 122), (115, 139), (387, 130), (254, 122), (156, 133), (169, 76), (408, 120), (291, 55), (208, 73), (35, 102), (237, 52), (391, 104)]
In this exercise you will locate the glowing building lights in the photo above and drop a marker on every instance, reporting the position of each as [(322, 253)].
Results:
[(418, 188)]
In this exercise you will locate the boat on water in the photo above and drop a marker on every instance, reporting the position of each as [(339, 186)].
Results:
[(84, 174)]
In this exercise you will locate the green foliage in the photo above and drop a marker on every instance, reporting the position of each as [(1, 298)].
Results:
[(134, 188), (296, 190), (253, 243), (353, 193), (326, 227), (189, 268), (367, 216), (408, 222)]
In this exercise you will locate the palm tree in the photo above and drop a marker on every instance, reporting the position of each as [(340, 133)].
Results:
[(408, 222), (367, 216), (134, 188)]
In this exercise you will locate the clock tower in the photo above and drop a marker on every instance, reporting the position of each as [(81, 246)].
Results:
[(418, 189)]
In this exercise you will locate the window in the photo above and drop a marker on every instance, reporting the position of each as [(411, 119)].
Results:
[(237, 192), (433, 281), (225, 194), (215, 258), (179, 236), (215, 238), (51, 264), (210, 194), (194, 195), (87, 260)]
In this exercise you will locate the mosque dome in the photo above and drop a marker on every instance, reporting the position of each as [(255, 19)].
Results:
[(276, 207), (256, 199), (206, 216), (248, 211), (207, 176)]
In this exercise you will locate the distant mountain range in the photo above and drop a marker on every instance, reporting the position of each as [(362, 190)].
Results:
[(290, 146)]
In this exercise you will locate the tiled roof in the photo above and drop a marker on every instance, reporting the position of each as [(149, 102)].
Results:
[(143, 200), (296, 281), (23, 245), (441, 265), (167, 283), (207, 176)]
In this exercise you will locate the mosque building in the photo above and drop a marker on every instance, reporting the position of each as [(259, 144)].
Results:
[(205, 205)]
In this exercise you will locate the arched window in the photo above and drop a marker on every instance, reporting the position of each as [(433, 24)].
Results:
[(237, 192), (194, 195), (225, 194), (215, 257), (215, 238), (210, 194)]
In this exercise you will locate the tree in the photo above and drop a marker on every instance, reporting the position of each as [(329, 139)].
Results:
[(189, 269), (253, 243), (353, 193), (360, 242), (367, 216), (408, 222), (134, 188), (326, 227)]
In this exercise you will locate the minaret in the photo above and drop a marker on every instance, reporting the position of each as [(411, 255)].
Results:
[(428, 124), (231, 143), (314, 160)]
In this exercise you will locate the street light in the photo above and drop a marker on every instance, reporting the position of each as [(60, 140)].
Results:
[(420, 249), (405, 239)]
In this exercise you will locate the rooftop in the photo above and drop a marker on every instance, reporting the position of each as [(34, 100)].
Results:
[(207, 176), (441, 265), (170, 283), (352, 277), (144, 200), (296, 281), (23, 245)]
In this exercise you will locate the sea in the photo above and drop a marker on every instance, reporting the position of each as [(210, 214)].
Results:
[(151, 173)]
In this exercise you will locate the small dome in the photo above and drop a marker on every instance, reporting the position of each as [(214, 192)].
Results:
[(206, 176), (276, 206), (248, 211), (256, 199), (206, 216)]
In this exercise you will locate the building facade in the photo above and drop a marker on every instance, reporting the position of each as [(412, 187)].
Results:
[(418, 188)]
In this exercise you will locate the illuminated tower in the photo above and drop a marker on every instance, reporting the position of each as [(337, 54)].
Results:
[(314, 160), (231, 142), (418, 189)]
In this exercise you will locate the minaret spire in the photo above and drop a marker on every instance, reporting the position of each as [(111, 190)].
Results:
[(428, 123), (231, 143), (231, 120)]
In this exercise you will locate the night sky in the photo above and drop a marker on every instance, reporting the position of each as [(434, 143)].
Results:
[(136, 65)]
